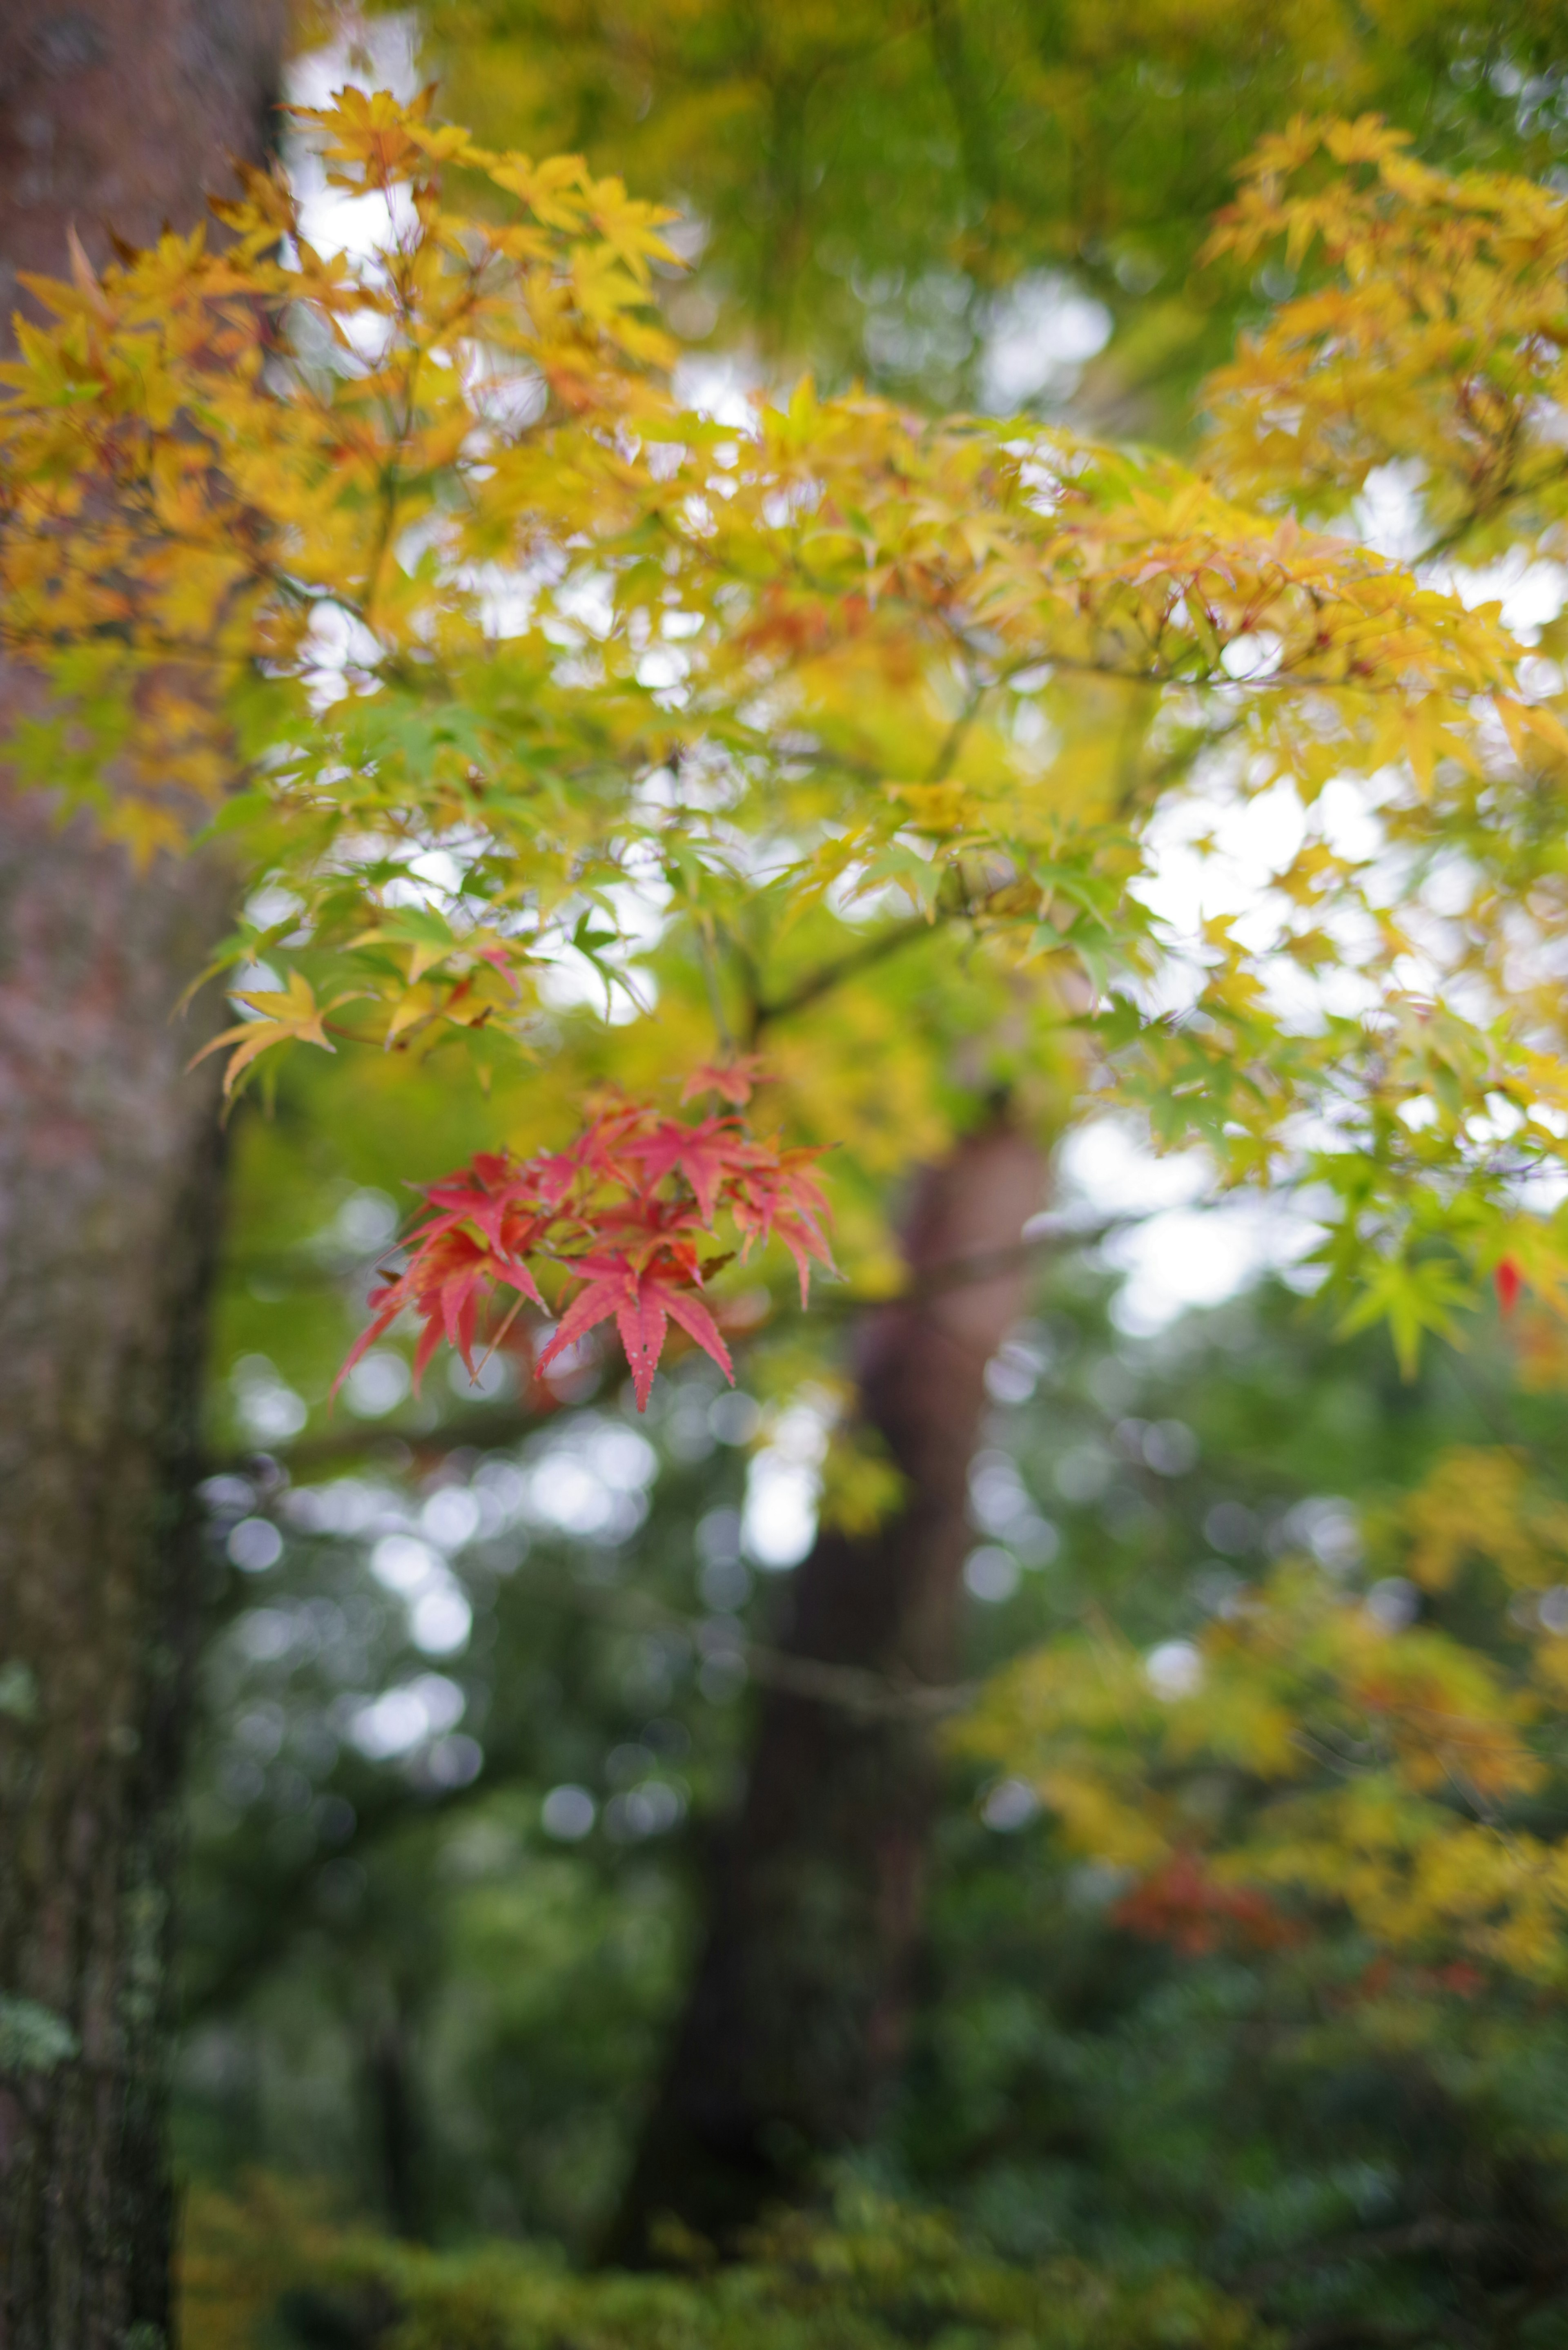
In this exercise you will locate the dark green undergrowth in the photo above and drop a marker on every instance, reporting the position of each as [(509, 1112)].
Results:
[(264, 2271)]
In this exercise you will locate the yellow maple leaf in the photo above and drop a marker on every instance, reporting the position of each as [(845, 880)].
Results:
[(287, 1016)]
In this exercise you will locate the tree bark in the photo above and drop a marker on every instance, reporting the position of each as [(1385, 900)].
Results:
[(796, 2018), (116, 116)]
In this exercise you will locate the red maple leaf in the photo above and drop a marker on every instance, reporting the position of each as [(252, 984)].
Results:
[(644, 1303), (1510, 1282), (448, 1277), (491, 1194), (705, 1155), (734, 1081), (779, 1196), (621, 1211)]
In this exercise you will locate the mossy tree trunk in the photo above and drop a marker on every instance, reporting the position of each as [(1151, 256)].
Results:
[(114, 116)]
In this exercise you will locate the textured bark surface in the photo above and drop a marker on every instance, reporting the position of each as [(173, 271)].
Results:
[(118, 115), (121, 115), (797, 2015), (109, 1168)]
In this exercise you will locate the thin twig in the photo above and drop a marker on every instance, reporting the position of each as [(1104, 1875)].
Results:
[(489, 1426), (853, 1689), (829, 975)]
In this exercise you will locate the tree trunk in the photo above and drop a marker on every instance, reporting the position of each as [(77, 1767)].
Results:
[(796, 2019), (113, 116), (391, 2084)]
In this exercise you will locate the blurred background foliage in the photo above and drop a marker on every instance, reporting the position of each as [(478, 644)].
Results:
[(441, 1899), (964, 199), (477, 1697)]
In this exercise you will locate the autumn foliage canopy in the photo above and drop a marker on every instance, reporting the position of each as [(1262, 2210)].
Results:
[(533, 667)]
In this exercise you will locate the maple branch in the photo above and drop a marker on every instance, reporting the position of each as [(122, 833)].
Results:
[(952, 742), (948, 907), (701, 925), (491, 1426), (872, 1696), (1486, 509), (983, 1264), (829, 976)]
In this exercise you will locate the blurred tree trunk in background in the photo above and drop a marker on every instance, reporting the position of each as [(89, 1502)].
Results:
[(117, 115), (796, 2018), (397, 2122)]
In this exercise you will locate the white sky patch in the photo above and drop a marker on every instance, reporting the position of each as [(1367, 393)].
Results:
[(1542, 1191), (1195, 1257), (1040, 334), (1344, 814), (1389, 516), (1532, 593), (451, 1517), (378, 1382), (1216, 852), (585, 608), (1190, 1246), (340, 647), (509, 394), (663, 671), (1174, 1670), (783, 1485), (1259, 835), (662, 794), (267, 1407), (1106, 1169), (567, 1814), (253, 978), (270, 906), (720, 385), (430, 878), (589, 1480), (507, 595)]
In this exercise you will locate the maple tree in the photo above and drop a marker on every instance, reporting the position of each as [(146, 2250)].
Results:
[(429, 534), (541, 679)]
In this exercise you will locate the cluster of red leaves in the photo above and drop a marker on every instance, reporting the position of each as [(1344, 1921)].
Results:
[(1181, 1904), (1385, 1979), (621, 1214)]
